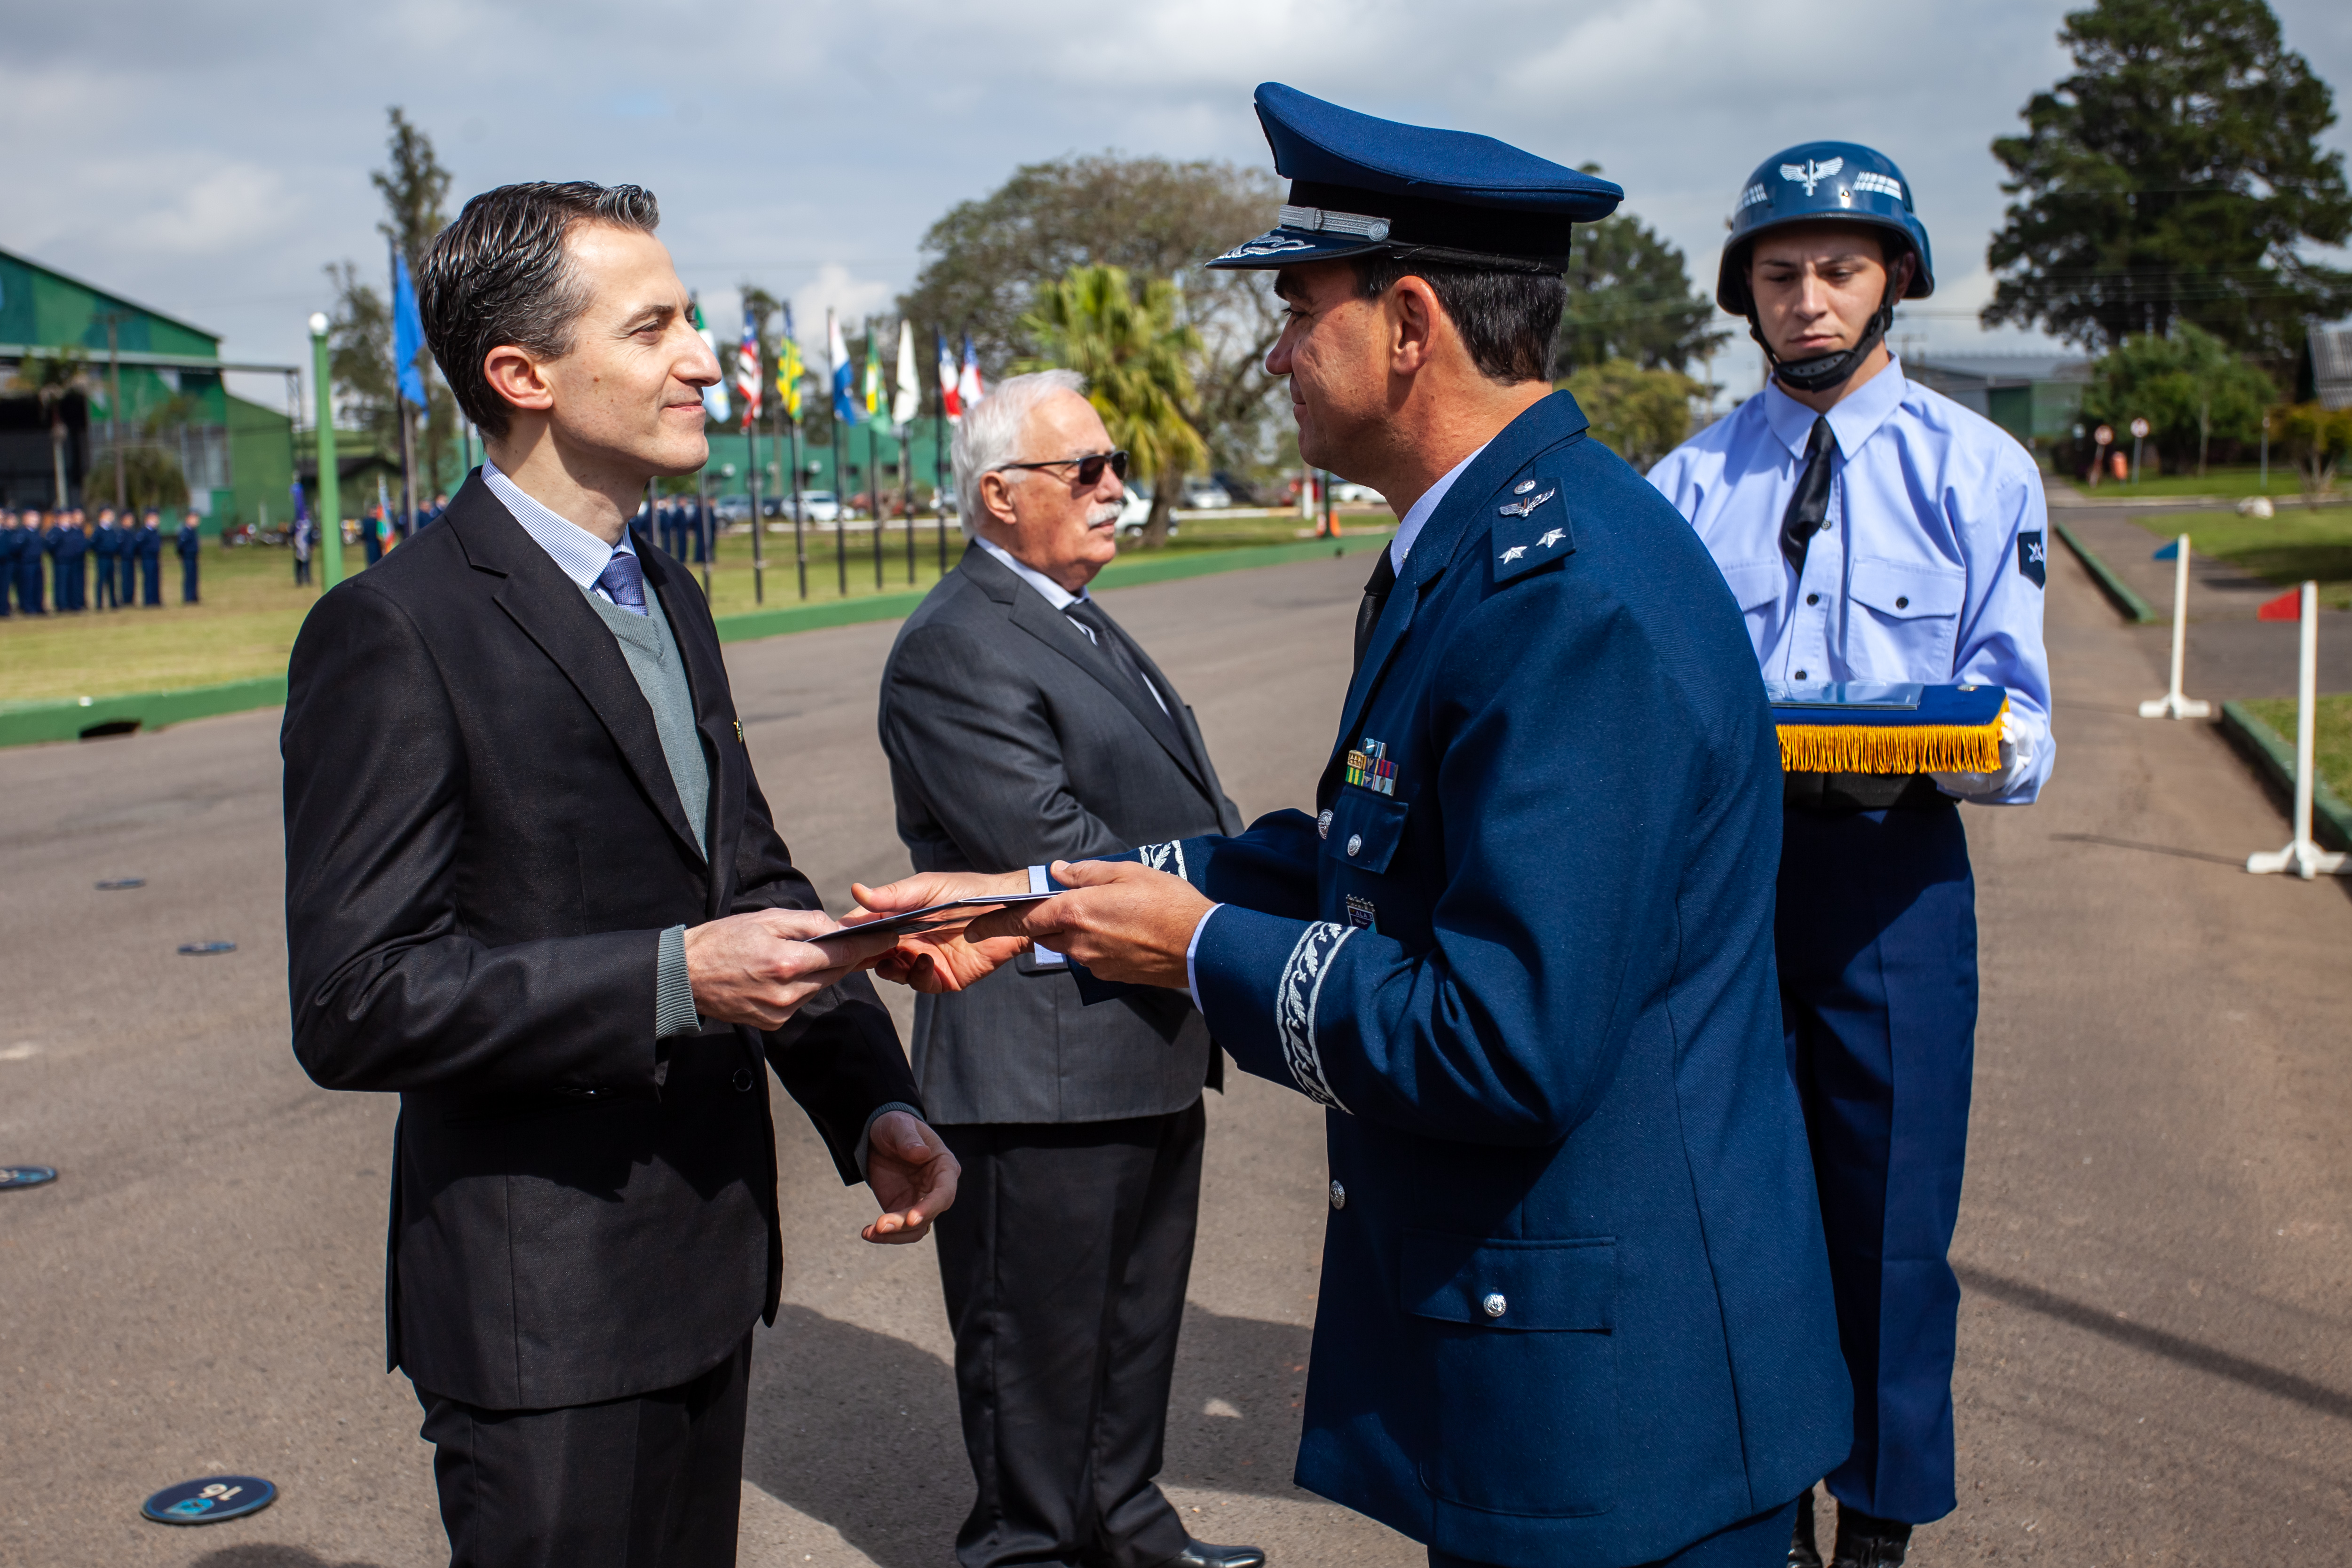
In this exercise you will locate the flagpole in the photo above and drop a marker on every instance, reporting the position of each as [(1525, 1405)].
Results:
[(752, 460), (873, 464), (799, 510), (939, 458)]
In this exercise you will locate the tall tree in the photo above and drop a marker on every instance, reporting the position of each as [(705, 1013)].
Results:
[(55, 380), (359, 356), (1630, 298), (1151, 217), (1134, 348), (415, 191), (2173, 176), (1639, 412)]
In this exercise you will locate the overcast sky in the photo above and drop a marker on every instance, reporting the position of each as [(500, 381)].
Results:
[(207, 160)]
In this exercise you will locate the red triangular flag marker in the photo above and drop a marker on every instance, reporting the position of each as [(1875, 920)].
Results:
[(2288, 606)]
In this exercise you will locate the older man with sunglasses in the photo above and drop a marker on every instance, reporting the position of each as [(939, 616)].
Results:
[(1023, 726)]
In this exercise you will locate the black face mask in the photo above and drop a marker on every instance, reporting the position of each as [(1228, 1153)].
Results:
[(1823, 373)]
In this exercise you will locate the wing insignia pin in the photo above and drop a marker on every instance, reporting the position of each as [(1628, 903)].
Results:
[(1523, 506)]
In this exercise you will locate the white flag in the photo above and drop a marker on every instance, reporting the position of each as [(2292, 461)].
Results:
[(908, 403)]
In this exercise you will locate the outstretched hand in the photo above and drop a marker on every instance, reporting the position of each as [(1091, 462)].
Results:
[(941, 960), (913, 1177), (1123, 921)]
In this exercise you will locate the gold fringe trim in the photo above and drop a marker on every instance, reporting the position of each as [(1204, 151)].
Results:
[(1891, 749)]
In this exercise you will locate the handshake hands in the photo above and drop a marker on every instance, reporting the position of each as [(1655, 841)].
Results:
[(1124, 922)]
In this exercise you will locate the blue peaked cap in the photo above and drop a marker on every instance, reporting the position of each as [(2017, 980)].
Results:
[(1361, 185), (1814, 182)]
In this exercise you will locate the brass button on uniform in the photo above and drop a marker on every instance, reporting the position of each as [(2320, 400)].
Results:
[(1338, 1196), (1493, 1305)]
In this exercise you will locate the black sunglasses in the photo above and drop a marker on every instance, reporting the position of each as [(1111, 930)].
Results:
[(1090, 470)]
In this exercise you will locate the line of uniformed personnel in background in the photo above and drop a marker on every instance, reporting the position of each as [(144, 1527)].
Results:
[(122, 561)]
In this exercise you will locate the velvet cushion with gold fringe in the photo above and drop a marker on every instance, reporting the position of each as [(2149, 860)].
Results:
[(1955, 730)]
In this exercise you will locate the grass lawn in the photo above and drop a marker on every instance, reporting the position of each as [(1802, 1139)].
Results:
[(251, 609), (2231, 484), (2331, 737), (2298, 543)]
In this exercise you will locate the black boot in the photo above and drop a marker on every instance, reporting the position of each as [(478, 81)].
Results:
[(1864, 1541), (1803, 1549)]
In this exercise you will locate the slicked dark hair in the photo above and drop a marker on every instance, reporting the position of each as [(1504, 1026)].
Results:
[(1506, 319), (500, 274)]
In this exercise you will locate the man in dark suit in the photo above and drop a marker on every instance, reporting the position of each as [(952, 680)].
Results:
[(191, 547), (559, 921), (1024, 726)]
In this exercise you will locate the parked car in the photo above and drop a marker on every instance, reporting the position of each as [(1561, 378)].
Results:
[(1135, 512), (732, 510), (820, 506), (1206, 495), (1348, 492)]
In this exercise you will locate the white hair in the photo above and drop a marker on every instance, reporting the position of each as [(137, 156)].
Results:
[(988, 436)]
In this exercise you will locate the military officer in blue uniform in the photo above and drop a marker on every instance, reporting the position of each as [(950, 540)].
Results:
[(29, 546), (105, 545), (12, 534), (70, 569), (1873, 530), (189, 546), (149, 558), (134, 546), (1575, 1305)]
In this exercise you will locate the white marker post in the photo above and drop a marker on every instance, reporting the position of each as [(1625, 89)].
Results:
[(2172, 704), (2301, 856)]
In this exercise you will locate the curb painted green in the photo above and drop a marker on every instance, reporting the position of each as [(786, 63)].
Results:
[(71, 719), (2135, 608), (2272, 756)]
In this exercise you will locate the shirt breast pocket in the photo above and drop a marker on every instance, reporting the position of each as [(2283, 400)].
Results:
[(1366, 829), (1902, 619)]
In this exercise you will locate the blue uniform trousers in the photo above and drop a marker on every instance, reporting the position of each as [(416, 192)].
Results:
[(1876, 935), (1759, 1542), (127, 583)]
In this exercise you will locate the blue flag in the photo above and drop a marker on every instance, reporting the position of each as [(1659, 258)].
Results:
[(2168, 553), (301, 503), (407, 333)]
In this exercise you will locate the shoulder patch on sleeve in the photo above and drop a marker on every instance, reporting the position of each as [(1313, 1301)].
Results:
[(1531, 529), (2033, 558)]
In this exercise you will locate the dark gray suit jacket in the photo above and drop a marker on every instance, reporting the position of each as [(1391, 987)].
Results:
[(1014, 741)]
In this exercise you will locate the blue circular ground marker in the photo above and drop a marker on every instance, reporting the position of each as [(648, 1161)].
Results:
[(13, 1176), (122, 884), (210, 1500), (203, 949)]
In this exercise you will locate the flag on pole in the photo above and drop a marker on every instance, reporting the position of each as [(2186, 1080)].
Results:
[(908, 403), (715, 406), (845, 395), (407, 333), (873, 377), (789, 370), (969, 391), (747, 371), (950, 404)]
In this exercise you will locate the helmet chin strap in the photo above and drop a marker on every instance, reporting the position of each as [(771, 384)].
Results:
[(1825, 373)]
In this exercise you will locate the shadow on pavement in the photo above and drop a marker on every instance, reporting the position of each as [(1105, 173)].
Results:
[(264, 1556), (859, 1430), (2189, 1352), (2235, 863)]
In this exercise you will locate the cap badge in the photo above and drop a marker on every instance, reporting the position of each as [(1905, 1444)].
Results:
[(1811, 172), (1522, 508), (1268, 245)]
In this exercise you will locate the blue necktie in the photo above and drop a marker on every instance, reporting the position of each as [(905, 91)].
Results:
[(623, 581)]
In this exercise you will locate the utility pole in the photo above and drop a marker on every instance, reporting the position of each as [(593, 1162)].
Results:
[(330, 479)]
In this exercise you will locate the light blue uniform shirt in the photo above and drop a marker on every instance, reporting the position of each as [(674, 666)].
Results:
[(1929, 567)]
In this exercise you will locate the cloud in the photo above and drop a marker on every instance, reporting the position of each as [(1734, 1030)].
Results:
[(806, 146)]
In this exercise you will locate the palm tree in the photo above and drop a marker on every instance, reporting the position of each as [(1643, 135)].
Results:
[(52, 378), (1135, 353)]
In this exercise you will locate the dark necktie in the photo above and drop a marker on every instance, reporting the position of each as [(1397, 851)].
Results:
[(624, 580), (1376, 595), (1089, 614), (1809, 507)]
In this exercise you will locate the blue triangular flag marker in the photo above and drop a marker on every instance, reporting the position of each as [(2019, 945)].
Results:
[(2168, 552)]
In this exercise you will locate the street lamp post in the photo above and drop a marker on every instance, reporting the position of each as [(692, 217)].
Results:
[(331, 487)]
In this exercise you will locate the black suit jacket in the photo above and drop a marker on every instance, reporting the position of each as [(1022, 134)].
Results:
[(1015, 740), (483, 845)]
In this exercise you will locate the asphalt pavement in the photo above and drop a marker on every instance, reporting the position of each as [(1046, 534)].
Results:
[(2155, 1366)]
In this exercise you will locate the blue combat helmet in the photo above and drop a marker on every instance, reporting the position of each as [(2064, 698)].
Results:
[(1364, 186), (1815, 181)]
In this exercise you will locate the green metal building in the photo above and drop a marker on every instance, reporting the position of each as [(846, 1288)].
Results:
[(235, 455)]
